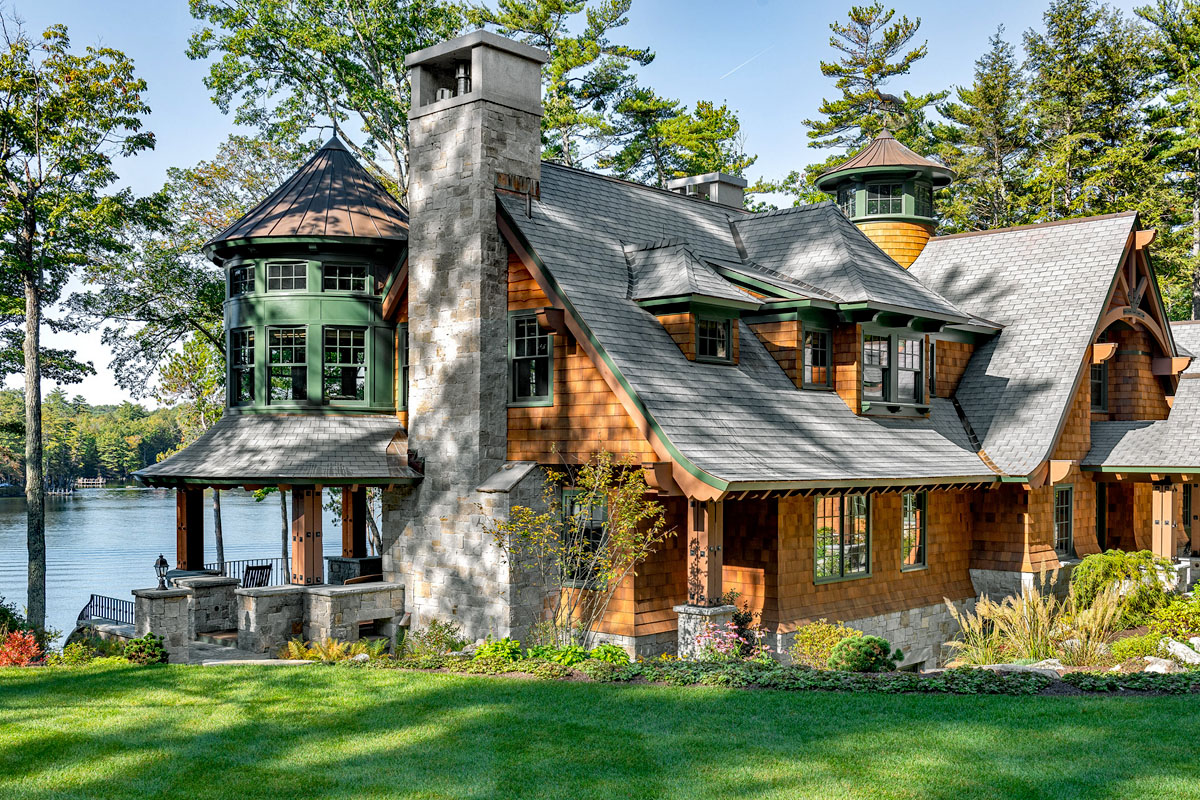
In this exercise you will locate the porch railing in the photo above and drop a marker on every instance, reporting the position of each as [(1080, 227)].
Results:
[(109, 609), (281, 570)]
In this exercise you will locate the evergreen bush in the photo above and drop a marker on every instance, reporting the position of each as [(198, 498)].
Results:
[(146, 650), (1137, 576), (864, 654)]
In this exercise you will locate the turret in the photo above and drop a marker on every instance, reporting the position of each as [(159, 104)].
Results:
[(886, 189)]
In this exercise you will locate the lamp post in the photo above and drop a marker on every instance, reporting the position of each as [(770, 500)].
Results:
[(160, 569)]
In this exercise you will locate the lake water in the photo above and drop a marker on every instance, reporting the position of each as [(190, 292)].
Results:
[(105, 541)]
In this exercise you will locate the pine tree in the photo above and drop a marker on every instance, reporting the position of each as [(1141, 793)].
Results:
[(986, 141)]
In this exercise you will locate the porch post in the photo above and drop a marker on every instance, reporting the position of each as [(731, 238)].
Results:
[(307, 563), (706, 539), (354, 522), (189, 528)]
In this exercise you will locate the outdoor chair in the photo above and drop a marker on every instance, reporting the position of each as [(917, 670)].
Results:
[(256, 577)]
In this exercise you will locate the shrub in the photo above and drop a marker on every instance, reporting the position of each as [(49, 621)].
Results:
[(610, 654), (719, 643), (864, 654), (1135, 647), (484, 665), (1137, 576), (18, 648), (146, 650), (815, 641), (506, 649), (546, 670), (422, 662), (978, 639), (435, 639), (570, 655), (1086, 631), (1178, 620), (75, 654)]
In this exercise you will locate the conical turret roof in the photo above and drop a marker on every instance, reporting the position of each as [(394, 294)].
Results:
[(332, 195), (885, 151)]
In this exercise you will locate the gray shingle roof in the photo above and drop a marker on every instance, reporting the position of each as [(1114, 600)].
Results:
[(1172, 442), (667, 268), (1187, 340), (262, 448), (1047, 285), (816, 244), (741, 423)]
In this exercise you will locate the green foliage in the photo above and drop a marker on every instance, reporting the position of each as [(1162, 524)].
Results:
[(1135, 647), (75, 654), (146, 650), (427, 661), (505, 649), (569, 655), (610, 654), (193, 381), (815, 641), (437, 638), (1179, 620), (1137, 575), (864, 654), (491, 664), (1177, 683)]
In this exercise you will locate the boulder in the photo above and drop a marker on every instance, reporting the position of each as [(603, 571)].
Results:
[(1195, 643), (1049, 663), (1010, 668), (1181, 652), (1164, 666), (360, 657)]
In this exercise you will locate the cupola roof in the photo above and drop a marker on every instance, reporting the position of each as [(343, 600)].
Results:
[(882, 152)]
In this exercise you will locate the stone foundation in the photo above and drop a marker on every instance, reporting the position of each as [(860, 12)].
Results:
[(1000, 583), (271, 616), (339, 569), (164, 612), (212, 604), (649, 646), (692, 620)]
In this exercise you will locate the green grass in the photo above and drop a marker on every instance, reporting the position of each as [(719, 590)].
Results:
[(258, 732)]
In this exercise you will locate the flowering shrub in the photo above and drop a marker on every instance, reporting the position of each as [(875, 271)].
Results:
[(719, 643), (19, 649)]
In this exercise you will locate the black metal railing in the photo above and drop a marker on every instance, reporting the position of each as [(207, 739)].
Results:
[(281, 570), (109, 609)]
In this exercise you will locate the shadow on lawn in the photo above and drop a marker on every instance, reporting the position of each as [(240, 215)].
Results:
[(315, 732)]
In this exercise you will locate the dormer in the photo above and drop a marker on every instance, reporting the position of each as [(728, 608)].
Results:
[(696, 306)]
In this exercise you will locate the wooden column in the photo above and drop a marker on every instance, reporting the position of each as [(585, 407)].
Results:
[(1163, 537), (307, 563), (189, 528), (354, 522), (706, 538)]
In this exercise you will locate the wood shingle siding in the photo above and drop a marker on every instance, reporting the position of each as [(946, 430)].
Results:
[(903, 241), (783, 342), (682, 329), (1134, 392), (952, 359), (847, 365)]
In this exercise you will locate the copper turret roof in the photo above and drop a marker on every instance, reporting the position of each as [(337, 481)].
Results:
[(332, 195), (885, 151)]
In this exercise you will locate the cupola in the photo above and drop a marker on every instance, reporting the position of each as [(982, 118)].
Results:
[(886, 189)]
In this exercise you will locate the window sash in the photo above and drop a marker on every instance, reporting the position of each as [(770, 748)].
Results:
[(841, 537), (923, 200), (241, 366), (909, 366), (287, 276), (1064, 518), (876, 369), (885, 198), (912, 529), (287, 360), (345, 359), (402, 359), (845, 199), (713, 339), (818, 358), (1099, 387), (241, 280), (581, 543), (344, 278), (530, 358)]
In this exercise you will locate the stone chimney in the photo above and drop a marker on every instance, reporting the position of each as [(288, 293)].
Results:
[(719, 187), (475, 121)]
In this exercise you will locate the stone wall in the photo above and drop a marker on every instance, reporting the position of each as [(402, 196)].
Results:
[(212, 604), (339, 569), (268, 617), (164, 612), (337, 611)]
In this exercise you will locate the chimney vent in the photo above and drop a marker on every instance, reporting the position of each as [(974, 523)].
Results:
[(719, 187)]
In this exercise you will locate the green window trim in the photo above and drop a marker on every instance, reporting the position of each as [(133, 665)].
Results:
[(841, 537), (1064, 521), (287, 276), (923, 199), (241, 366), (893, 369), (345, 278), (241, 280), (845, 199), (402, 362), (590, 535), (714, 339), (530, 362), (816, 371), (913, 523), (885, 198), (287, 364), (344, 365), (931, 368)]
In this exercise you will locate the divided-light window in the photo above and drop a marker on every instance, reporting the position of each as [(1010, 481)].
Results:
[(345, 374), (344, 278), (912, 530), (241, 366), (288, 363), (713, 339), (531, 361), (287, 276), (1099, 383), (241, 280), (845, 200), (402, 359), (584, 519), (893, 369), (923, 200), (885, 198), (1064, 521), (842, 537), (818, 359)]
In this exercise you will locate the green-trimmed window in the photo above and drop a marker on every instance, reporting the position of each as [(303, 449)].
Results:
[(287, 276), (1099, 382), (877, 372), (402, 361), (584, 519), (909, 385), (241, 366), (713, 339), (531, 361), (842, 537), (818, 358), (1064, 521), (241, 280), (923, 200), (344, 278), (845, 199), (345, 371), (885, 198), (912, 530), (288, 362)]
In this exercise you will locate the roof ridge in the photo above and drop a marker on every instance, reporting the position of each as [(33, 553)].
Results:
[(850, 264), (778, 212), (1035, 225), (647, 187)]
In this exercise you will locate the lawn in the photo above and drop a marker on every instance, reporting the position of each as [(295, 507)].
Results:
[(308, 732)]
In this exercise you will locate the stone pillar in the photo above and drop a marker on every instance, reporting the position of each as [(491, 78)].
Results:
[(189, 529), (269, 616), (354, 522), (692, 620), (460, 147), (165, 613), (213, 604), (307, 563)]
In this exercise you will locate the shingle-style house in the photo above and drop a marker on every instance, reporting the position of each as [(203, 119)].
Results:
[(845, 415)]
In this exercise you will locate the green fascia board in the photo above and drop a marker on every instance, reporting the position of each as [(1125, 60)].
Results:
[(890, 308), (817, 312), (893, 218), (395, 272), (936, 174), (680, 458), (696, 300), (1014, 479)]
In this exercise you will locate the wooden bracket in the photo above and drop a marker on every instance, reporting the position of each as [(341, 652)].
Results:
[(1103, 351), (659, 477), (1059, 470), (1170, 366), (1144, 238)]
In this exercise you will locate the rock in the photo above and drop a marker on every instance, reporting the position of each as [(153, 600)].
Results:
[(360, 657), (1195, 643), (1048, 663), (1117, 668), (1181, 652), (1010, 668), (1164, 666)]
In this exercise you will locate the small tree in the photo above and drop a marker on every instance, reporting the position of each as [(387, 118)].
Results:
[(594, 527)]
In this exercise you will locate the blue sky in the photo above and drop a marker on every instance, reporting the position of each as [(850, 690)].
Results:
[(759, 56)]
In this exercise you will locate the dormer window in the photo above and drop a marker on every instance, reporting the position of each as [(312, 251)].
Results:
[(287, 276), (876, 373), (818, 359), (909, 386), (344, 278), (1099, 382), (241, 280), (893, 369), (713, 340), (885, 198)]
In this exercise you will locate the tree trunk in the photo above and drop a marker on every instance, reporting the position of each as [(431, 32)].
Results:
[(217, 529), (283, 515), (35, 490), (1196, 245), (372, 530)]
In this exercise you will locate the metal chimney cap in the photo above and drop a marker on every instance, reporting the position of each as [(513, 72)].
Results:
[(709, 177)]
